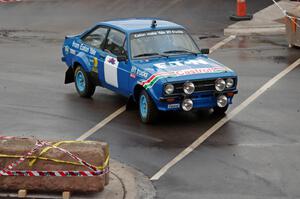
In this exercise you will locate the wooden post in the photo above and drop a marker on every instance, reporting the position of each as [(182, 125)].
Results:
[(22, 193), (66, 195)]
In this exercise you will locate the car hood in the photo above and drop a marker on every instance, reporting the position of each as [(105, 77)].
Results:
[(183, 68)]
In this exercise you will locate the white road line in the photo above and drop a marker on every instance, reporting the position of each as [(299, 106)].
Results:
[(222, 43), (224, 120), (102, 123)]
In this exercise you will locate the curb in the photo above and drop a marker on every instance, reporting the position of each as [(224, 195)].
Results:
[(135, 184), (255, 31)]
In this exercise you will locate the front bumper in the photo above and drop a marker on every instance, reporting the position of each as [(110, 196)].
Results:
[(200, 100)]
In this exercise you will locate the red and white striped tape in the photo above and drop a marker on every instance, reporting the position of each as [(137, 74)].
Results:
[(53, 173), (9, 1), (9, 172), (6, 137), (38, 145)]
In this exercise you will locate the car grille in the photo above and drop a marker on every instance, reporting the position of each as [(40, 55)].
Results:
[(200, 86)]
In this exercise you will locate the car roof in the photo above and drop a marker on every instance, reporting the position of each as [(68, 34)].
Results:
[(139, 24)]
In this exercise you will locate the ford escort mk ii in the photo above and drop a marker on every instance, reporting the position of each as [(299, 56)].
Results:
[(154, 62)]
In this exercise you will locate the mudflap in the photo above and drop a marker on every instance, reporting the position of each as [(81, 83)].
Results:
[(69, 77)]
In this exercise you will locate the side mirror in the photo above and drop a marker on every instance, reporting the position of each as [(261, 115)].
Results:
[(205, 51), (122, 58)]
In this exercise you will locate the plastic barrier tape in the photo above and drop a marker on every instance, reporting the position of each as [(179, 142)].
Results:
[(96, 171)]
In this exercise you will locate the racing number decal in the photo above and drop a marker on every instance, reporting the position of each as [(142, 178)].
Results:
[(111, 71)]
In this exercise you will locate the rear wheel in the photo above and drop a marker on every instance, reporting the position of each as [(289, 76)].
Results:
[(84, 86), (147, 109)]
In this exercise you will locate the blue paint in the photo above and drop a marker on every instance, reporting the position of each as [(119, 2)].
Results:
[(135, 71)]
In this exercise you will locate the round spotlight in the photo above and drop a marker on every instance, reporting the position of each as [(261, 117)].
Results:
[(229, 83), (220, 84), (188, 88), (187, 104), (222, 101), (169, 89)]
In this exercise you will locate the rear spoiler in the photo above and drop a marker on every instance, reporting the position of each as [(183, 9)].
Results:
[(71, 36)]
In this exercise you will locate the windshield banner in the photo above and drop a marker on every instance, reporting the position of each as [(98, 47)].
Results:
[(158, 32)]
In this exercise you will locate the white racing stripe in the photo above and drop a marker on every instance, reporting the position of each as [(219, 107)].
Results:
[(102, 123), (224, 120)]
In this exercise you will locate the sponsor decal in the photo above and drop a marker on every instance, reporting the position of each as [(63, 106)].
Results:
[(72, 51), (157, 76), (132, 75), (173, 106), (84, 48), (133, 72), (67, 49), (92, 51), (138, 72), (75, 45), (159, 32), (111, 61), (141, 73), (181, 63)]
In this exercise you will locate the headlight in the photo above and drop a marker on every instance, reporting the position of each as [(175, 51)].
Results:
[(222, 101), (229, 83), (220, 84), (187, 104), (188, 88), (169, 89)]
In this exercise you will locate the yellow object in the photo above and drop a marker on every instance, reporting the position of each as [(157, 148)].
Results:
[(45, 150), (95, 67)]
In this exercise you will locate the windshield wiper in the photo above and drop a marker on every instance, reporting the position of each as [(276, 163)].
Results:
[(149, 54), (180, 51)]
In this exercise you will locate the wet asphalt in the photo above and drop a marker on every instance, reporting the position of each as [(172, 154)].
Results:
[(255, 155)]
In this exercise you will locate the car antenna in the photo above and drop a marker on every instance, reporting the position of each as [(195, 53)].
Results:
[(154, 24)]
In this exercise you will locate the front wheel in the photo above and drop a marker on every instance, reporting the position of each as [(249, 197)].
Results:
[(84, 86), (147, 108), (218, 111)]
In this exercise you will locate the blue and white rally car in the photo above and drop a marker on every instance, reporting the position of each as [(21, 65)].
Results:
[(152, 61)]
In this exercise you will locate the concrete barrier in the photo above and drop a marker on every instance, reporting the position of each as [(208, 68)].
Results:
[(77, 166)]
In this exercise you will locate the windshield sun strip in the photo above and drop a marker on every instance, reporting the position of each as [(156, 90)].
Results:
[(183, 31)]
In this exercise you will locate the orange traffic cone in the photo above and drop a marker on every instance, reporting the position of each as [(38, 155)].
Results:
[(241, 11)]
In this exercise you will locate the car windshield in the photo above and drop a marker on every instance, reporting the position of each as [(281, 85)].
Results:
[(162, 43)]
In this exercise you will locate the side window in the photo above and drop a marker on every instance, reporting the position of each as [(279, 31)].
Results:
[(115, 43), (96, 38)]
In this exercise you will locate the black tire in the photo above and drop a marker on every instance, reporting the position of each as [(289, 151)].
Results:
[(152, 113), (89, 88), (218, 111)]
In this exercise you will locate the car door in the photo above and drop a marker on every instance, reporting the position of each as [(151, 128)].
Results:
[(116, 73), (94, 42)]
